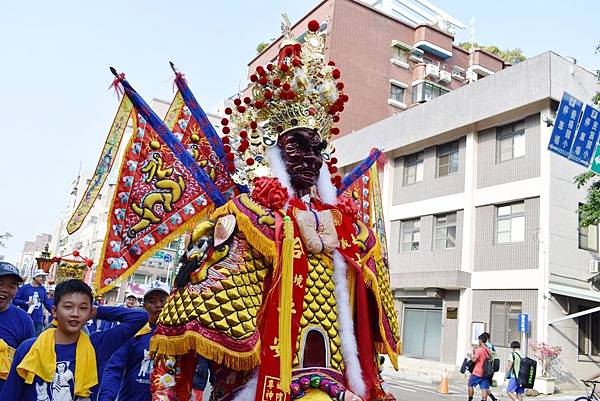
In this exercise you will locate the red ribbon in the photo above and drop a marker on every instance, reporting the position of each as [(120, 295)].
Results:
[(116, 84), (179, 76)]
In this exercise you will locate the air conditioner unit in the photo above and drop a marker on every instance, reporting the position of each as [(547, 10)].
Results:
[(445, 76), (457, 74), (471, 75), (432, 70), (594, 266)]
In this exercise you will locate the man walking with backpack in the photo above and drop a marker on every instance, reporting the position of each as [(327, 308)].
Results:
[(514, 389), (480, 377), (494, 360)]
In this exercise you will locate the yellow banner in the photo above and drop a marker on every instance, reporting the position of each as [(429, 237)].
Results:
[(107, 158)]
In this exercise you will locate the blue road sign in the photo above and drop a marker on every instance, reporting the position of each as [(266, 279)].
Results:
[(586, 138), (167, 258), (565, 125), (523, 323)]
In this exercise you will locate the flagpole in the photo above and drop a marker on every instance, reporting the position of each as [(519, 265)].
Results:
[(170, 140)]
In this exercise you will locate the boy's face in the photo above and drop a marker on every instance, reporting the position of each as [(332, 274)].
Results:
[(8, 289), (40, 280), (130, 302), (72, 312), (153, 303)]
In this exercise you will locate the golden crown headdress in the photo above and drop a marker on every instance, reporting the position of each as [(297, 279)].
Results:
[(300, 89)]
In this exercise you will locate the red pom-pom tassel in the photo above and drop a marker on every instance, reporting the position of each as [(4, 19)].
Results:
[(313, 26)]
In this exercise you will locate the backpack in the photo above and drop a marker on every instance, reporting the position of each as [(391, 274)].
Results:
[(488, 365), (495, 360), (527, 370)]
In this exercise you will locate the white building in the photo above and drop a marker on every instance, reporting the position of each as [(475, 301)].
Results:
[(31, 250), (482, 219)]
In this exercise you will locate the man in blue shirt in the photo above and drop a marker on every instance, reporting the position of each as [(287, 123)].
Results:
[(15, 325), (31, 297), (127, 374), (63, 363)]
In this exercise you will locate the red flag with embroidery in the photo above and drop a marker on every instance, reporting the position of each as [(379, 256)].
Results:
[(161, 191)]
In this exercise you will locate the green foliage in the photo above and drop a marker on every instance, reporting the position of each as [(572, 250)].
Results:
[(261, 46), (511, 56)]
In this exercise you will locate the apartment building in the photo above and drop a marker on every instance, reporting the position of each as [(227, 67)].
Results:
[(482, 219), (389, 62)]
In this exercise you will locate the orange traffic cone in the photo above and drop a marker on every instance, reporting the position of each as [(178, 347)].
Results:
[(444, 383)]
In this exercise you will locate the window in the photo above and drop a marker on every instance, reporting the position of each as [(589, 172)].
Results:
[(397, 93), (400, 54), (138, 279), (588, 236), (93, 219), (510, 142), (510, 223), (589, 333), (411, 235), (413, 168), (447, 159), (445, 231), (425, 91), (504, 322)]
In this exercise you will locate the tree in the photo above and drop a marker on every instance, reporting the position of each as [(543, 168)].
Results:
[(262, 46), (513, 56), (589, 212)]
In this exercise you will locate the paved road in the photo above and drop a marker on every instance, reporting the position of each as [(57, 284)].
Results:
[(412, 390)]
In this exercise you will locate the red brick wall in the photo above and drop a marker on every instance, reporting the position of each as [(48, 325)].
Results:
[(361, 47), (487, 60), (433, 35)]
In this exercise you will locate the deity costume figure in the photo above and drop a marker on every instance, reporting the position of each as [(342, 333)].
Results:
[(283, 290)]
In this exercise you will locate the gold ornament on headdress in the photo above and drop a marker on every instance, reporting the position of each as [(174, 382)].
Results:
[(299, 90)]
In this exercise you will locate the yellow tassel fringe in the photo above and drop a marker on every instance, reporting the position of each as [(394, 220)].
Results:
[(192, 341)]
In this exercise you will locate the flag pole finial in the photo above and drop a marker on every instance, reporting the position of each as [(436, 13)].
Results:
[(116, 82), (173, 67)]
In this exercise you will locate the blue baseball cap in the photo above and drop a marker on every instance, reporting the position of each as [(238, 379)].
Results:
[(7, 269)]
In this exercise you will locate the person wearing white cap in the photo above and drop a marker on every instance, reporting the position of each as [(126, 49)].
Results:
[(31, 297), (127, 374)]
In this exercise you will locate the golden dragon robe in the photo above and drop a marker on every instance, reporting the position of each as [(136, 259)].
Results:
[(220, 313)]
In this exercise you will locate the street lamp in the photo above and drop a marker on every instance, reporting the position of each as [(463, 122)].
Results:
[(44, 262)]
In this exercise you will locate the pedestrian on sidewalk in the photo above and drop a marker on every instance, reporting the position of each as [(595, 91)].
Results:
[(495, 360), (31, 298), (514, 390), (15, 325), (478, 378)]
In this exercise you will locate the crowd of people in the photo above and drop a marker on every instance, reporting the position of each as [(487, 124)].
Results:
[(86, 351)]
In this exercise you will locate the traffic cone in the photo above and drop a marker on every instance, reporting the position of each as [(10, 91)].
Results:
[(444, 383)]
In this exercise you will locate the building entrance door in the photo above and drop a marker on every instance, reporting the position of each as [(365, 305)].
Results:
[(422, 334)]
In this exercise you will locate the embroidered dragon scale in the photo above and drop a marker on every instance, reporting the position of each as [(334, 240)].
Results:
[(284, 289)]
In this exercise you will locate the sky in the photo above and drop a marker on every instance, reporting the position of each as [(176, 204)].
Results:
[(56, 109)]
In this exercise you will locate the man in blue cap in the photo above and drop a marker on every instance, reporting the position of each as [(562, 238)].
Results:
[(15, 324), (127, 374)]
